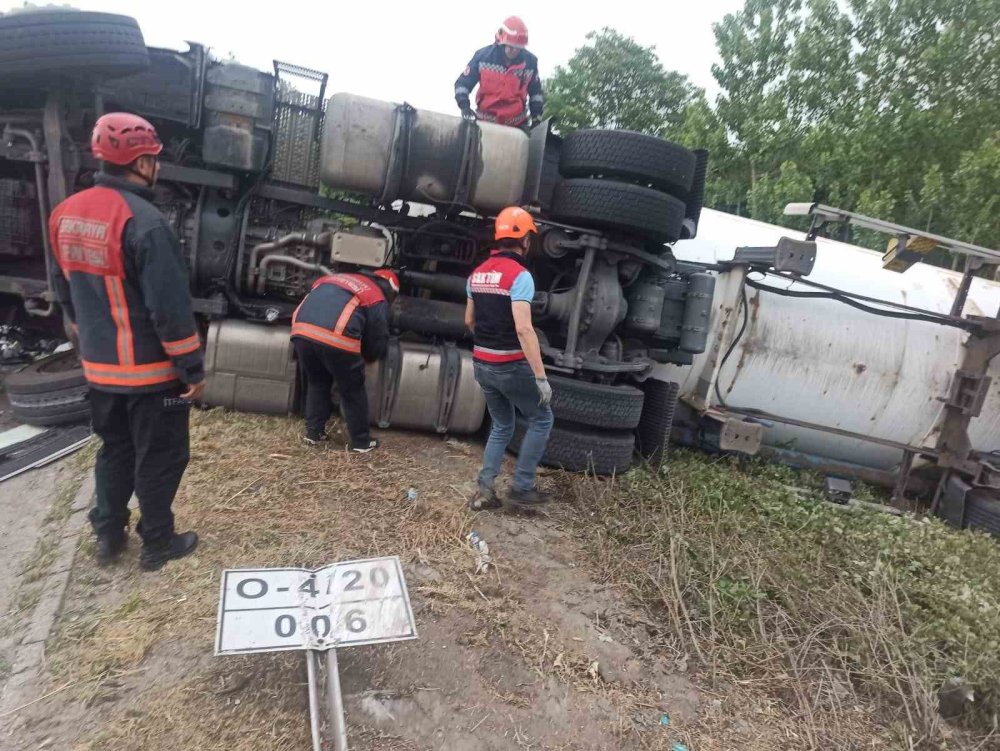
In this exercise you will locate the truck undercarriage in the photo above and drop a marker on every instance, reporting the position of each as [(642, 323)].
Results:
[(240, 182)]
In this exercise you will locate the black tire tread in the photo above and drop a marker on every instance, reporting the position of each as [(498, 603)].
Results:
[(629, 156), (607, 204), (596, 404), (653, 435), (44, 376), (78, 44), (49, 391), (579, 450)]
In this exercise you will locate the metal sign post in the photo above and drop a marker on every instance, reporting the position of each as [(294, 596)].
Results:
[(345, 604)]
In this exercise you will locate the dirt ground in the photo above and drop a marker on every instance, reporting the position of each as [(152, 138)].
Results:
[(532, 654)]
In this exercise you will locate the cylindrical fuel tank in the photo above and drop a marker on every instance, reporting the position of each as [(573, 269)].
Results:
[(361, 134), (823, 362), (249, 367), (425, 387)]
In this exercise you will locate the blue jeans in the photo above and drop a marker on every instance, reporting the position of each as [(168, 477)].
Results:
[(508, 387)]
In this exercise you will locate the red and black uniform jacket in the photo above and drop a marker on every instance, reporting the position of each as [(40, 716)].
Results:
[(503, 86), (125, 285), (495, 337), (347, 312)]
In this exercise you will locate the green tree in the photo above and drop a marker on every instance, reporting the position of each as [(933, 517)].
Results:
[(769, 196), (976, 195), (614, 82), (755, 45)]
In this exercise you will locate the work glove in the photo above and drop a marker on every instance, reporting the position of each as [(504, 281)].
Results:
[(468, 115), (544, 391)]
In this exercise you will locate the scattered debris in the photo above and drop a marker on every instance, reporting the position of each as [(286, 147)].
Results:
[(665, 720), (459, 446), (483, 560), (839, 490), (39, 449), (411, 495)]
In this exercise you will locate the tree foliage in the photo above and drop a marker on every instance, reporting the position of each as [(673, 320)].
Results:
[(886, 107)]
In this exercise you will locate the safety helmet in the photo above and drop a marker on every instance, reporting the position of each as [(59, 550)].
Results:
[(389, 276), (513, 32), (514, 222), (121, 138)]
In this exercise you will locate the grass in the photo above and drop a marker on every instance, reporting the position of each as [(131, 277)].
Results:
[(257, 497), (834, 615), (811, 626)]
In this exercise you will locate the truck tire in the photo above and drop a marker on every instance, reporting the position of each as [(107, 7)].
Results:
[(653, 435), (596, 404), (607, 204), (629, 156), (982, 512), (581, 450), (43, 44), (50, 391)]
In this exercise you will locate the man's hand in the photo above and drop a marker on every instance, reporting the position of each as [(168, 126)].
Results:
[(194, 391), (468, 115), (535, 121), (544, 391)]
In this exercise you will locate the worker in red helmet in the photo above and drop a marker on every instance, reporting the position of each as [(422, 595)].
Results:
[(507, 76), (508, 361), (340, 325), (123, 284)]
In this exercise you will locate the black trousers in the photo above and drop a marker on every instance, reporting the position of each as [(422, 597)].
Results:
[(322, 367), (145, 451)]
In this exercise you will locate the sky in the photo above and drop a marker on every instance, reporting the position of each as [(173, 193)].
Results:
[(413, 51)]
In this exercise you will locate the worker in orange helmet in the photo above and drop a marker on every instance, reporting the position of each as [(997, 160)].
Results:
[(507, 75), (508, 361), (123, 285)]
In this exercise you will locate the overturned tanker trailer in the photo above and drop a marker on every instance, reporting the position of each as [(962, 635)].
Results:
[(859, 370)]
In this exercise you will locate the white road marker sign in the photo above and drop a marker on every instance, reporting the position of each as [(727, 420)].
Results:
[(345, 604)]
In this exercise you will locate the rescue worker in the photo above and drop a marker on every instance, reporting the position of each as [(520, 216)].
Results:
[(124, 287), (342, 323), (507, 74), (508, 361)]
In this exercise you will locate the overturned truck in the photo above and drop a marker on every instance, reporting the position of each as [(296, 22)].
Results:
[(269, 184)]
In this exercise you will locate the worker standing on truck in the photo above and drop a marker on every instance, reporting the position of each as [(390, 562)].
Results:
[(124, 287), (506, 74), (508, 360), (342, 323)]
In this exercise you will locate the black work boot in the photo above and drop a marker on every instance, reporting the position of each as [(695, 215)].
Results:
[(154, 556), (110, 547), (527, 498)]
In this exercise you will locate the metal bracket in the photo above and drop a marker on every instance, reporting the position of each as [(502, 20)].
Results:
[(451, 369), (389, 379), (791, 256), (969, 392), (399, 155), (726, 433), (987, 476)]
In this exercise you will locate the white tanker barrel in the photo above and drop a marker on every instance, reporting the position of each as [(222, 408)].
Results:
[(366, 147), (826, 363)]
